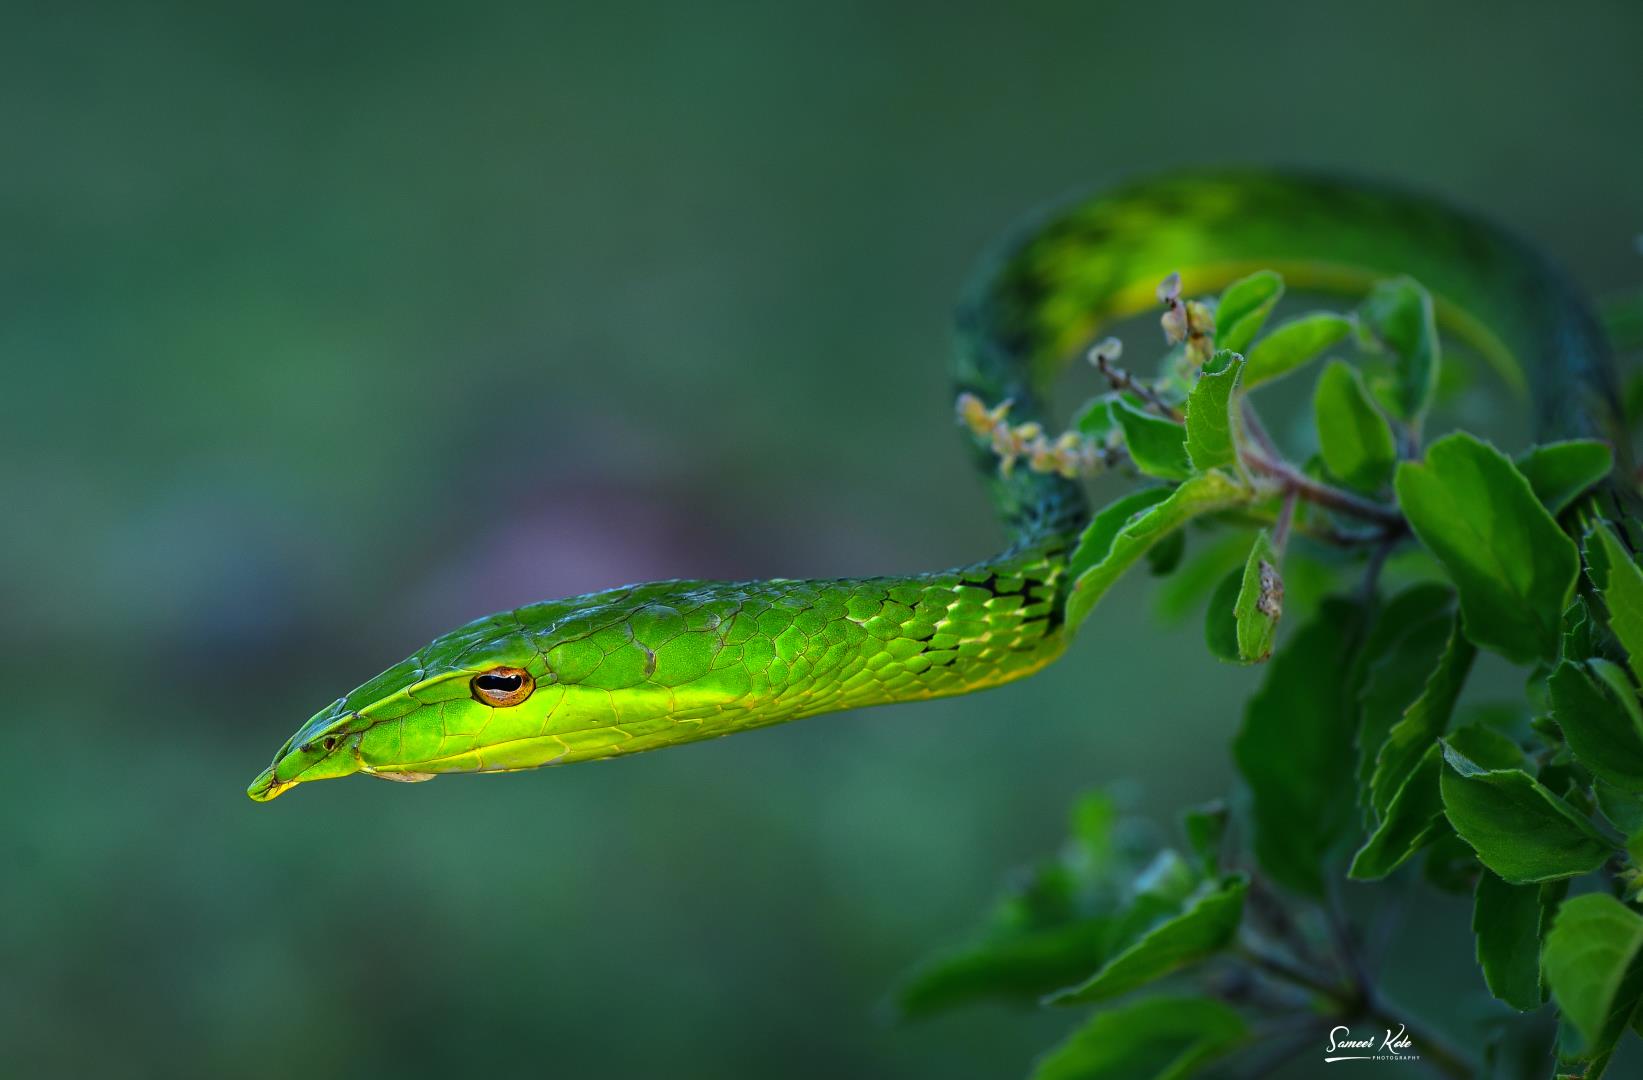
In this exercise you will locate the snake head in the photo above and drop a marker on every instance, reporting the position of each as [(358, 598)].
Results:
[(476, 699)]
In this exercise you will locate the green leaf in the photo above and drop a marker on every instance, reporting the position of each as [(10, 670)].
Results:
[(1558, 472), (1241, 620), (1209, 424), (1295, 748), (1599, 729), (1164, 556), (1096, 542), (1206, 827), (1152, 1038), (1203, 929), (1620, 685), (1424, 720), (1243, 309), (1094, 817), (1622, 809), (1513, 567), (1412, 817), (1578, 643), (1018, 967), (1292, 344), (1180, 594), (1393, 680), (1221, 618), (1620, 583), (1096, 420), (1354, 438), (1055, 925), (1508, 921), (1594, 965), (1519, 829), (1450, 864), (1485, 747), (1260, 602), (1398, 315), (1122, 533), (1401, 650), (1156, 445), (1573, 1060)]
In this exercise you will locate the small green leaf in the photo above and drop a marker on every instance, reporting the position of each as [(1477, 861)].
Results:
[(1354, 438), (1398, 316), (1096, 420), (1260, 602), (1577, 630), (1508, 921), (1574, 1062), (1243, 309), (1485, 747), (1103, 529), (1393, 680), (1412, 817), (1156, 445), (1295, 748), (1017, 967), (1221, 618), (1164, 556), (1558, 472), (1622, 809), (1200, 931), (1424, 720), (1206, 827), (1180, 594), (1399, 653), (1241, 620), (1520, 830), (1450, 864), (1594, 965), (1152, 1038), (1620, 583), (1614, 676), (1598, 728), (1514, 568), (1122, 533), (1209, 425), (1293, 344)]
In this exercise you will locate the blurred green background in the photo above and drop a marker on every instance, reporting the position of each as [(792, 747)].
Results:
[(328, 327)]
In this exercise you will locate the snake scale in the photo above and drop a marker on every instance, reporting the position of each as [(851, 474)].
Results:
[(646, 666)]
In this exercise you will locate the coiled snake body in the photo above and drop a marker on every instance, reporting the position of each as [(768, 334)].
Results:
[(646, 666)]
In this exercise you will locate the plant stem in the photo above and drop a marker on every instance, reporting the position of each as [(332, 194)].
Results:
[(1258, 431), (1286, 518), (1361, 1001), (1372, 572), (1325, 495), (1433, 1048), (1342, 998), (1268, 460), (1122, 380)]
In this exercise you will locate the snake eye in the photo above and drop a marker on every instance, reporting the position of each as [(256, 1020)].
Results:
[(502, 687), (329, 743)]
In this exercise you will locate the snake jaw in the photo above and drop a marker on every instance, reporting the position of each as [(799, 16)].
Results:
[(324, 747), (266, 787)]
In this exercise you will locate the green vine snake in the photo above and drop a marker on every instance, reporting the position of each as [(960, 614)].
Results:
[(647, 666)]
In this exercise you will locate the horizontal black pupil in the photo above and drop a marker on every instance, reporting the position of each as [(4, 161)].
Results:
[(504, 683)]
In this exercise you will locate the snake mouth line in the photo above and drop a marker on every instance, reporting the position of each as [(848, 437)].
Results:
[(265, 787)]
